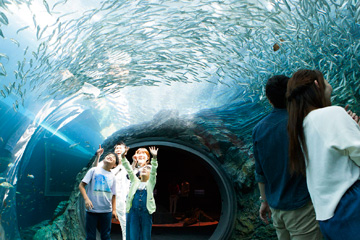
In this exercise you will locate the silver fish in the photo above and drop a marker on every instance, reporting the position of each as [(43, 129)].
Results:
[(74, 145), (3, 71), (47, 6), (21, 29), (15, 41), (6, 185), (3, 19)]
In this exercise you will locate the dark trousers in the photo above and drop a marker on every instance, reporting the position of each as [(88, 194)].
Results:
[(100, 221)]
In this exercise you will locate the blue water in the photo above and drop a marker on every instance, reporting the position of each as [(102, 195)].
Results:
[(73, 72)]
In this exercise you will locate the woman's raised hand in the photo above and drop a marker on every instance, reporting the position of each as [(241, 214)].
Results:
[(352, 115), (153, 151)]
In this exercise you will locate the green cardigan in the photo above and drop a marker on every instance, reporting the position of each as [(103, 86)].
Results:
[(135, 182)]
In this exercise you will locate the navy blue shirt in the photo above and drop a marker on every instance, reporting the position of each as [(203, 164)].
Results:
[(271, 151)]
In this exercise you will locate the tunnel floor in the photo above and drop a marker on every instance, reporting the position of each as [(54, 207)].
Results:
[(166, 233)]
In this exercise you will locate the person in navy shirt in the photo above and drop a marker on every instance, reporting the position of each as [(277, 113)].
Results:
[(284, 197)]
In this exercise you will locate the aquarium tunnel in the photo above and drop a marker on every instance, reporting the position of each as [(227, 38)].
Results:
[(185, 76)]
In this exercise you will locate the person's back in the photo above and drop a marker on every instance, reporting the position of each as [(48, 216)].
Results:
[(286, 195), (283, 191), (324, 143)]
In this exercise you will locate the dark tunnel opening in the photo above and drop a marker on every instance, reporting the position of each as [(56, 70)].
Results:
[(223, 208), (199, 210), (211, 198)]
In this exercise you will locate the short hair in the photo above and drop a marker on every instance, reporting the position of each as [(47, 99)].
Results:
[(116, 157), (119, 143), (275, 90), (143, 150)]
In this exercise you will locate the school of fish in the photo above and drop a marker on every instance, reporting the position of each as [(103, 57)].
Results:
[(148, 43)]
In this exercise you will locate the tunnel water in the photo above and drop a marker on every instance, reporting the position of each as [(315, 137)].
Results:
[(185, 76)]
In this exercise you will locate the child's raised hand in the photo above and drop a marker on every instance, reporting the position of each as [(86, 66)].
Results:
[(153, 151), (100, 151), (126, 150)]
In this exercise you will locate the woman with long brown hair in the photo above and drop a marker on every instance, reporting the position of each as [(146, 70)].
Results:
[(324, 145)]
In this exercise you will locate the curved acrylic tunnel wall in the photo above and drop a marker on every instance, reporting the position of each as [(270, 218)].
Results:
[(41, 162), (209, 141), (74, 74), (221, 151)]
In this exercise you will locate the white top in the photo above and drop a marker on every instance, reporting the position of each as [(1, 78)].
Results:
[(101, 186), (333, 142), (142, 185), (122, 186)]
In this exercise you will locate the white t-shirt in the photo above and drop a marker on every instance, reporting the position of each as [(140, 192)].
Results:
[(142, 185), (333, 143), (101, 186), (122, 185)]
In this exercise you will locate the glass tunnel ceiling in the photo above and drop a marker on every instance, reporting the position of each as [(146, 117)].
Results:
[(122, 62)]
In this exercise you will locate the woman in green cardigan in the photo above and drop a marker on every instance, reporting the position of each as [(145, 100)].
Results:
[(140, 202)]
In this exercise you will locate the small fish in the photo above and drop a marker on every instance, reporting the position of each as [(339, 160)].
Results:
[(30, 176), (7, 89), (6, 185), (10, 165), (287, 5), (19, 65), (2, 178), (2, 34), (14, 107), (3, 71), (23, 64), (74, 145), (35, 55), (42, 32), (3, 18), (3, 55), (34, 20), (60, 2), (47, 6), (15, 41), (38, 32), (22, 29)]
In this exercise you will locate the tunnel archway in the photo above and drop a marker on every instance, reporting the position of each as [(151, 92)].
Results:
[(228, 203), (228, 211)]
